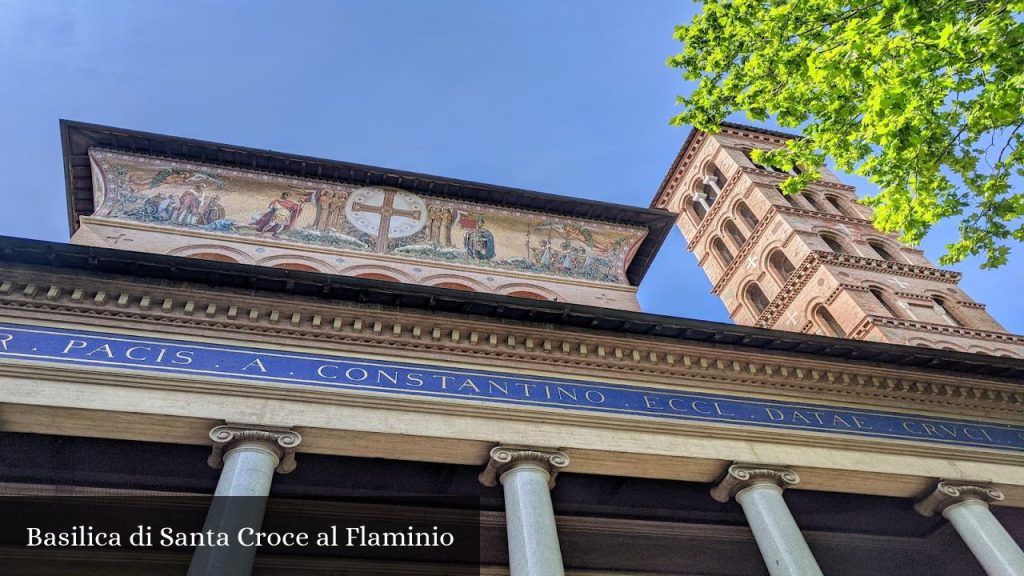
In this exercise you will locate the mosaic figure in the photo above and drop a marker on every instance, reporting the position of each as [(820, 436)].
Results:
[(280, 216)]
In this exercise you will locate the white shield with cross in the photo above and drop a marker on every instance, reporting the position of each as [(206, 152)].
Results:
[(386, 213)]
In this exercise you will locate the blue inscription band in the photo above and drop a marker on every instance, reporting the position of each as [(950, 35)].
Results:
[(118, 352)]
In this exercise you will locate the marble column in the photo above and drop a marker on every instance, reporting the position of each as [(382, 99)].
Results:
[(965, 505), (758, 489), (527, 476), (248, 456)]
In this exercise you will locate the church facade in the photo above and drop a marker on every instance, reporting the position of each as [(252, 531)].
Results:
[(240, 322)]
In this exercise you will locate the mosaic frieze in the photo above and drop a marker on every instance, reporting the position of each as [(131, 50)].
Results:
[(373, 219)]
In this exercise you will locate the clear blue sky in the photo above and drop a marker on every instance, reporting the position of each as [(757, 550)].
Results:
[(564, 97)]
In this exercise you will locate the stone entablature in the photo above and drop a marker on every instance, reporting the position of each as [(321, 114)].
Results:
[(28, 293)]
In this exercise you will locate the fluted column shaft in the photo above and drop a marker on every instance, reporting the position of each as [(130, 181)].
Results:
[(758, 489), (966, 508), (527, 476), (249, 457)]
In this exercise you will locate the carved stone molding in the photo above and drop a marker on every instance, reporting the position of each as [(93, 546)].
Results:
[(949, 492), (280, 440), (740, 476), (505, 458), (217, 313), (816, 258)]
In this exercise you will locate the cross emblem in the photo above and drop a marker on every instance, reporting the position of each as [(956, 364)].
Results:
[(791, 317), (122, 236), (386, 211), (751, 262), (604, 298), (897, 282)]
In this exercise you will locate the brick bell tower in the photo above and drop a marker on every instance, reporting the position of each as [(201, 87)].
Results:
[(813, 262)]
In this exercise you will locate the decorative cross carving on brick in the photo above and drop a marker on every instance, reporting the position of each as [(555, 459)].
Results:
[(604, 298), (791, 317), (751, 262), (897, 282)]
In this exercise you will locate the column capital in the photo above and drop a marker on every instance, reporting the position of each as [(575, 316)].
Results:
[(281, 441), (740, 476), (949, 492), (505, 458)]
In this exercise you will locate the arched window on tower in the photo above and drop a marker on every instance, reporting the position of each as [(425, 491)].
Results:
[(885, 299), (833, 243), (881, 250), (713, 184), (789, 198), (841, 206), (947, 311), (780, 265), (813, 202), (722, 251), (827, 323), (745, 214), (737, 237), (699, 207), (755, 298)]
